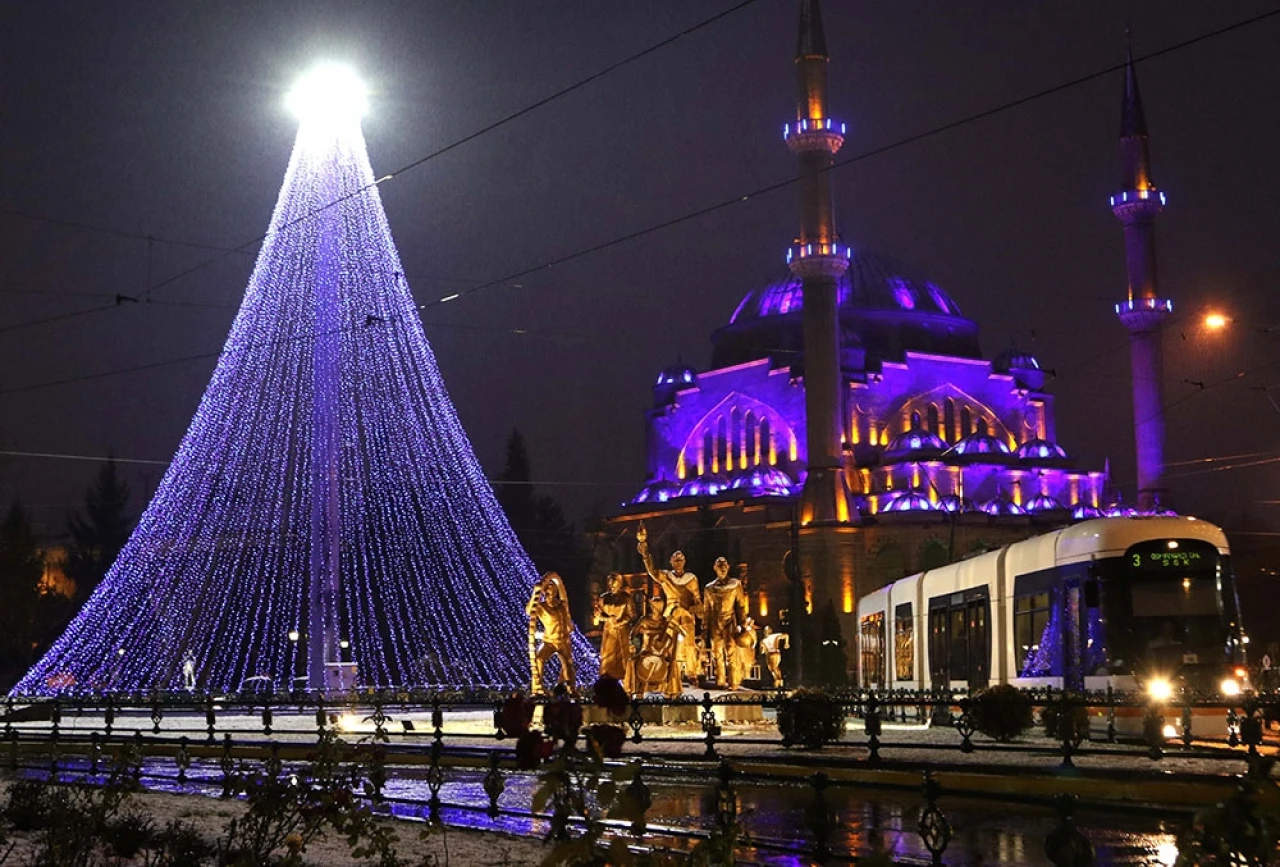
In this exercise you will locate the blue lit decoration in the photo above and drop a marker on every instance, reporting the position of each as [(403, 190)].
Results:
[(325, 511), (1084, 512), (821, 125), (1044, 659), (915, 439), (1138, 196), (1132, 305)]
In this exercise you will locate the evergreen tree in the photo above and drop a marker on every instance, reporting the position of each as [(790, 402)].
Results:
[(550, 540), (98, 535), (21, 568)]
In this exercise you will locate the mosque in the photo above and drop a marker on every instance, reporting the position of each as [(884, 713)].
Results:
[(849, 430)]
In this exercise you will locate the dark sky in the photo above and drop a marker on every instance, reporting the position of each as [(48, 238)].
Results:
[(166, 119)]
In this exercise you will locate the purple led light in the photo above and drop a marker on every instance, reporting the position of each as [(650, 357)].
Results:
[(324, 487), (902, 294)]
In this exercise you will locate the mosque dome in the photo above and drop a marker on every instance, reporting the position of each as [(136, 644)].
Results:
[(976, 444), (1085, 511), (916, 439), (1041, 450), (657, 492), (1044, 503), (1022, 366), (671, 380), (767, 482), (907, 501), (953, 504), (884, 309), (1001, 506)]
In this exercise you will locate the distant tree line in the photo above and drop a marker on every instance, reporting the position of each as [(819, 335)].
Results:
[(35, 612)]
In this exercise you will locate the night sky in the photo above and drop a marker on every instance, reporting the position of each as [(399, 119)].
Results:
[(167, 120)]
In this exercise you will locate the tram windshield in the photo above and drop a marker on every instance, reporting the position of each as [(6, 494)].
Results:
[(1179, 609)]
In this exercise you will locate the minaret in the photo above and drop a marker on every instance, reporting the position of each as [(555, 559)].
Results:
[(818, 260), (1144, 311)]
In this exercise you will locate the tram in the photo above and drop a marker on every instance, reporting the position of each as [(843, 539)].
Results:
[(1143, 604)]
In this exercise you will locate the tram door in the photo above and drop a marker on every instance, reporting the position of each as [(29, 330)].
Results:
[(1075, 604), (960, 638)]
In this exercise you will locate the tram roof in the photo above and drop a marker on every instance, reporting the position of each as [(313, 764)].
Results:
[(1104, 537)]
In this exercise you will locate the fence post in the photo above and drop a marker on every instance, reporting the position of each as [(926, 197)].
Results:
[(228, 765), (1066, 845), (709, 725), (636, 721), (873, 727), (964, 725), (934, 828), (210, 717), (437, 720), (494, 785), (435, 780), (183, 758), (267, 716), (1111, 714), (157, 713), (322, 717), (726, 799)]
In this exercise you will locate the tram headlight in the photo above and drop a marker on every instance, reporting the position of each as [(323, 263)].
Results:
[(1229, 686), (1160, 689)]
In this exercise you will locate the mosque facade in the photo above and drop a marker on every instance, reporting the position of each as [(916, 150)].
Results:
[(941, 451)]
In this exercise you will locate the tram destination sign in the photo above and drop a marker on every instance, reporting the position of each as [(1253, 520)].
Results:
[(1165, 558)]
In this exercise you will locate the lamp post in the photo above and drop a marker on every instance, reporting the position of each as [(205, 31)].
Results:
[(1215, 322)]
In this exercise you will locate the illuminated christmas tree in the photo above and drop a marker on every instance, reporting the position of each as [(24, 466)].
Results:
[(325, 522)]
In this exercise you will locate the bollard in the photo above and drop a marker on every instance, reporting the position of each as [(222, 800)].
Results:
[(934, 828), (267, 716)]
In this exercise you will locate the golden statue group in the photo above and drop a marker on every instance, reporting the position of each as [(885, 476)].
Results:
[(659, 649)]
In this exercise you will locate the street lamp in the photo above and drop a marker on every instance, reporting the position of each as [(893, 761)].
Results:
[(1216, 321)]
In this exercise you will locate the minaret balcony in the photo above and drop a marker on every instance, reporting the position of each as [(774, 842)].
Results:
[(814, 134), (1134, 204), (819, 260), (1143, 314)]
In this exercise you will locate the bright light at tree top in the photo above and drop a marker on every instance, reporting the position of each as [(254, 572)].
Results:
[(330, 92)]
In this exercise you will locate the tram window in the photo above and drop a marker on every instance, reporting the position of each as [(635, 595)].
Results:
[(872, 647), (959, 634), (904, 657), (1030, 625), (1175, 597)]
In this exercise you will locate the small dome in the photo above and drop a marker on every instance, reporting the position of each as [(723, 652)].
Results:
[(1014, 359), (1001, 506), (1044, 503), (763, 482), (1038, 450), (953, 504), (907, 501), (705, 486), (1085, 511), (917, 439), (672, 380), (978, 443), (1022, 366), (1116, 510), (657, 492)]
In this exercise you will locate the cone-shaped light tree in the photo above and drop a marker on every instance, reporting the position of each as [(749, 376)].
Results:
[(324, 521)]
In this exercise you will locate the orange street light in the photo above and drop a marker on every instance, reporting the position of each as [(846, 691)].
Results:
[(1216, 321)]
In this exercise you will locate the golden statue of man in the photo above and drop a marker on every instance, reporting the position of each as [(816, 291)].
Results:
[(613, 612), (683, 598), (548, 610), (724, 614), (772, 646), (654, 667)]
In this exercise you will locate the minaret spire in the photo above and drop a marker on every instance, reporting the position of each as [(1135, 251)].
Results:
[(1143, 312), (819, 261)]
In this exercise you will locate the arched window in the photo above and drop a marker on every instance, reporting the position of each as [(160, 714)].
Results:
[(766, 441), (982, 426), (932, 416), (707, 457), (750, 441), (949, 420), (966, 422), (736, 447), (723, 444)]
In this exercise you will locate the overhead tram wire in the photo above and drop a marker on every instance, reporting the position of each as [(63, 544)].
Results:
[(874, 152), (639, 233)]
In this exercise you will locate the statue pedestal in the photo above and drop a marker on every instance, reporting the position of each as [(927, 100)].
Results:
[(739, 713), (652, 714)]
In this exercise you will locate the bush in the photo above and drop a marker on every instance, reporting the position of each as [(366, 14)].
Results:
[(179, 844), (1001, 712), (29, 805), (1066, 718), (128, 833), (810, 718)]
